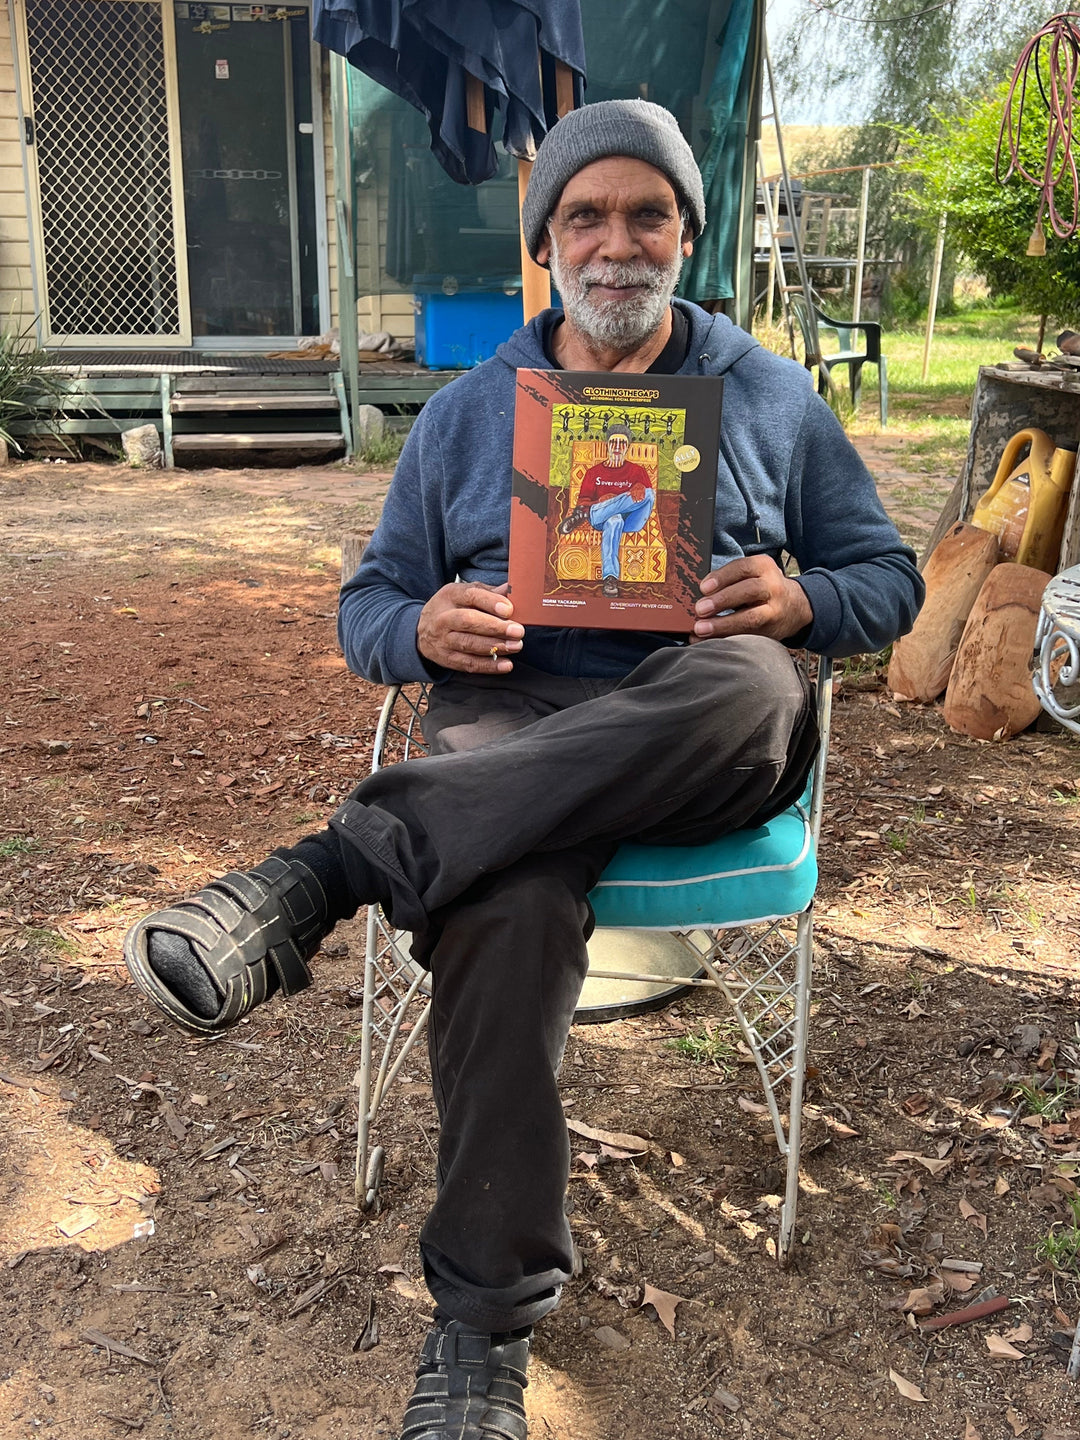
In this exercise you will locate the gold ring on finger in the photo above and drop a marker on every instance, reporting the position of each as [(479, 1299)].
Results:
[(494, 652)]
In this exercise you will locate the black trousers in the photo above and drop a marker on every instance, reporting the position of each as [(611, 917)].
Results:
[(488, 854)]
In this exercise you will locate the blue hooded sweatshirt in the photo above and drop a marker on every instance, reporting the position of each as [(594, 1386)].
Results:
[(788, 479)]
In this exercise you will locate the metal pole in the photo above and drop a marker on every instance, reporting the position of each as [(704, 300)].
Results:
[(860, 261), (804, 279), (776, 259), (935, 281), (345, 214)]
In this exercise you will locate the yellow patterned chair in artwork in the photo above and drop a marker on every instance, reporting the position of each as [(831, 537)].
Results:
[(642, 555)]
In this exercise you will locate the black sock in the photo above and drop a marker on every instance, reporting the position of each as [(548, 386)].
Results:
[(321, 853), (173, 962)]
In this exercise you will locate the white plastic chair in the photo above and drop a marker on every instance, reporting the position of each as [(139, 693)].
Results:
[(743, 907)]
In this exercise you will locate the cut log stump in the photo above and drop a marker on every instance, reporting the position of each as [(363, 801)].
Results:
[(353, 546), (990, 695)]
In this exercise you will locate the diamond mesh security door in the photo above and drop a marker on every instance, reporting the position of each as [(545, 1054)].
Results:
[(105, 151)]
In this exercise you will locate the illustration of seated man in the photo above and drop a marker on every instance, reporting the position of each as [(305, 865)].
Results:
[(616, 497)]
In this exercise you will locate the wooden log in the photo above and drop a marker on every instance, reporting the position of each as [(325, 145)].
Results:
[(990, 694), (1006, 400), (475, 104), (955, 573), (1070, 539), (353, 546), (535, 280), (564, 88)]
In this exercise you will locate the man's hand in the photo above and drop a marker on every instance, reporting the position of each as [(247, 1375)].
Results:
[(751, 596), (468, 627), (638, 491)]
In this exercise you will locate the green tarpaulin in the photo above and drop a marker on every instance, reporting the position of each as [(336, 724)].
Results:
[(417, 230)]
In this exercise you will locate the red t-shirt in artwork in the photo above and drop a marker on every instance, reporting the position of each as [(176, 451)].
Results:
[(604, 480)]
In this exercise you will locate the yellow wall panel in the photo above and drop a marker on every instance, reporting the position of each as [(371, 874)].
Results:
[(12, 202)]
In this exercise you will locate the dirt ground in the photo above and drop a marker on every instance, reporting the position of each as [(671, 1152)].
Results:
[(180, 1252)]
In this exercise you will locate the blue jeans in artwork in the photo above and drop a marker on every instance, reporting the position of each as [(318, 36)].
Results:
[(615, 517)]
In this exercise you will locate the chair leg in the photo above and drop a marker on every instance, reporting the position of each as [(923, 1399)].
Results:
[(855, 372), (883, 391), (804, 975), (364, 1113), (391, 985)]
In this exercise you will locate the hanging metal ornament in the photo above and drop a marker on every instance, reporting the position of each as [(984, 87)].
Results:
[(1050, 64)]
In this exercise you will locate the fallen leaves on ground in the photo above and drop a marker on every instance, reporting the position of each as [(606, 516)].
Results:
[(1019, 1335), (614, 1143), (907, 1388), (1000, 1347), (612, 1339), (923, 1299), (976, 1217), (928, 1162), (665, 1305)]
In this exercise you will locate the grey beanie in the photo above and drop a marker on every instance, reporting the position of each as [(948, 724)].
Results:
[(636, 128)]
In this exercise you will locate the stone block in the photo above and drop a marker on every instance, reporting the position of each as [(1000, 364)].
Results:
[(370, 427), (142, 446)]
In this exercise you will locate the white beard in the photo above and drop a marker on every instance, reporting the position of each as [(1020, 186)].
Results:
[(615, 324)]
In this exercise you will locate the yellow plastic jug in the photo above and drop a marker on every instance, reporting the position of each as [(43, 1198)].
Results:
[(1025, 505)]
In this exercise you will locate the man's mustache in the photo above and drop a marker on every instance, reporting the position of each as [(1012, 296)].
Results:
[(620, 276)]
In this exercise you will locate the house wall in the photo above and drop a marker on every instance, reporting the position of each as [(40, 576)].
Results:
[(392, 312), (16, 273), (16, 276)]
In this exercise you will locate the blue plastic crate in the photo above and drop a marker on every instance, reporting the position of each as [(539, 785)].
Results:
[(455, 332)]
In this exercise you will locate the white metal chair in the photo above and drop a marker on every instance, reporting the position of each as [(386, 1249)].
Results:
[(743, 907)]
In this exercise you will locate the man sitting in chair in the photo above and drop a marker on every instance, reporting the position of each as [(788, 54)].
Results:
[(616, 498), (485, 851)]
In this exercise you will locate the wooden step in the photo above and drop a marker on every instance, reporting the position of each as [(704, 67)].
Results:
[(187, 384), (256, 400), (269, 440)]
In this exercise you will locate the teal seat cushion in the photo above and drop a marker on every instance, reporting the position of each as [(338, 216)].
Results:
[(759, 874)]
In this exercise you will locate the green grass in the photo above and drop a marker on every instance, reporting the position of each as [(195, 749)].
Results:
[(864, 667), (18, 845), (983, 335), (381, 454), (899, 837), (711, 1044), (931, 417), (1061, 1248), (49, 942), (1048, 1103)]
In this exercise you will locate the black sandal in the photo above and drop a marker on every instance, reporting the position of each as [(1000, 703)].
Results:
[(469, 1386), (252, 931)]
